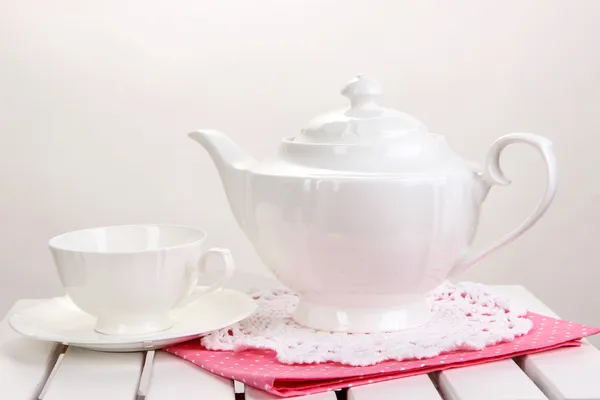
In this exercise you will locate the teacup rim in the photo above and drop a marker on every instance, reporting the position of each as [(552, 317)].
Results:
[(202, 235)]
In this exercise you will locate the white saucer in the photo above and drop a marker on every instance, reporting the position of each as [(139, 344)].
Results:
[(59, 320)]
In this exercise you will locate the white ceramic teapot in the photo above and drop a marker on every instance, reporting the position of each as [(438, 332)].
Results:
[(365, 211)]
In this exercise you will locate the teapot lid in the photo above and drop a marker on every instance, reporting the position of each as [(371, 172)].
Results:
[(364, 122)]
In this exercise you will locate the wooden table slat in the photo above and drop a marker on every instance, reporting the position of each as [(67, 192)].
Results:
[(24, 363), (93, 375), (413, 387), (567, 373), (496, 380), (174, 378)]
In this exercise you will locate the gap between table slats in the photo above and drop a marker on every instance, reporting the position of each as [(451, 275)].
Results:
[(60, 354)]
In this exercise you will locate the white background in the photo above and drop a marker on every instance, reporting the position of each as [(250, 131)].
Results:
[(96, 99)]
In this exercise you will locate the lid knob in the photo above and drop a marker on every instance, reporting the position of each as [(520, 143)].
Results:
[(364, 122), (362, 92)]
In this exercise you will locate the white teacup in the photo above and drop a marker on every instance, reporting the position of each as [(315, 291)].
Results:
[(131, 276)]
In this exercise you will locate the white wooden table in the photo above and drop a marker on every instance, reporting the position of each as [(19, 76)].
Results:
[(36, 370)]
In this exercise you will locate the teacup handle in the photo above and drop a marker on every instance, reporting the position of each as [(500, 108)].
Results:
[(194, 270)]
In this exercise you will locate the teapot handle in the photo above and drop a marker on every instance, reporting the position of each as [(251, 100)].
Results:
[(493, 175)]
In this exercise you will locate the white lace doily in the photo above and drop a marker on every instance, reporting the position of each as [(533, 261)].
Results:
[(465, 316)]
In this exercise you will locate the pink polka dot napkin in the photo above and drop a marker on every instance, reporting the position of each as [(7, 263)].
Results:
[(260, 368)]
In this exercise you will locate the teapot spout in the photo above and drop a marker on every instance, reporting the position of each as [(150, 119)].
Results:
[(233, 165)]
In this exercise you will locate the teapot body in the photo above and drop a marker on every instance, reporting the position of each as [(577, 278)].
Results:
[(362, 241)]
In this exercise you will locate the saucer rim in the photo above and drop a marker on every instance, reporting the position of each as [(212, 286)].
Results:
[(144, 340)]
